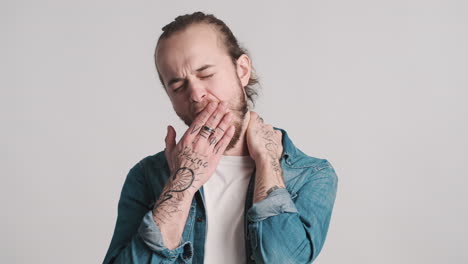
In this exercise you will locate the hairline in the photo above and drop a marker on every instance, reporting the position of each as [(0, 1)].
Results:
[(220, 41)]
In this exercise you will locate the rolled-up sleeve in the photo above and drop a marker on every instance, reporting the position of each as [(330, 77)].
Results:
[(277, 202), (152, 237), (137, 238), (285, 231)]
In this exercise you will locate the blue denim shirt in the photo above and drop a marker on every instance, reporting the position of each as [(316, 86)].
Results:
[(289, 226)]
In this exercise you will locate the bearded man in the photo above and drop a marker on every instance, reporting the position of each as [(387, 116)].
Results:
[(233, 189)]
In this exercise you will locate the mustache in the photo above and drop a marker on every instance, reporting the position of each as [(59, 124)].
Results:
[(198, 108), (241, 109)]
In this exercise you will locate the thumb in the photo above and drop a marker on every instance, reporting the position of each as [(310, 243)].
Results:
[(170, 139)]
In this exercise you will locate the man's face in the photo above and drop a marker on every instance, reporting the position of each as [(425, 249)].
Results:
[(196, 70)]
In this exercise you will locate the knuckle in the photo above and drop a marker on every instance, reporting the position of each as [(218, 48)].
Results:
[(185, 141), (225, 122), (203, 116)]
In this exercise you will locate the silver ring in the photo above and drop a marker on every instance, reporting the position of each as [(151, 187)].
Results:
[(209, 129)]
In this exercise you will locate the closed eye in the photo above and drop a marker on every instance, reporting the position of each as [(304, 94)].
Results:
[(206, 76), (175, 90)]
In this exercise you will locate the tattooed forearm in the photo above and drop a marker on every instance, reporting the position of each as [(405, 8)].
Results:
[(179, 186), (181, 181), (269, 171), (173, 194), (266, 181)]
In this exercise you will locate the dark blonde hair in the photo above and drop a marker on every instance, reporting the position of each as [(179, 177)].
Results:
[(229, 40)]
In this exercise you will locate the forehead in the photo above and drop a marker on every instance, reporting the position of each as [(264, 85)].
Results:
[(196, 45)]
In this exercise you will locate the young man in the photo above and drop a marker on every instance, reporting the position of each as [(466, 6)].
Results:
[(233, 189)]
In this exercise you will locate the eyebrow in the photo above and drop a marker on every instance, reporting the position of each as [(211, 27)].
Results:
[(204, 67), (178, 79)]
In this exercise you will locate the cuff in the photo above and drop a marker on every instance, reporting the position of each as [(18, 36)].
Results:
[(152, 237), (277, 202)]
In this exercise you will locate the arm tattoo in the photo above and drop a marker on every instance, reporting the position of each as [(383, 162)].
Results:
[(262, 187), (272, 189), (181, 181), (168, 204)]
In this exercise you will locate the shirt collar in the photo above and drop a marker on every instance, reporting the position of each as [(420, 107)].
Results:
[(289, 150)]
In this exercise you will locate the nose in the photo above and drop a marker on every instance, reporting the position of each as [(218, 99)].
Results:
[(197, 91)]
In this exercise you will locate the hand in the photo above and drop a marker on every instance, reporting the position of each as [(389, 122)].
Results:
[(194, 159), (265, 148), (263, 142)]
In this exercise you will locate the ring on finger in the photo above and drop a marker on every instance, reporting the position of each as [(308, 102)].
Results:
[(209, 129)]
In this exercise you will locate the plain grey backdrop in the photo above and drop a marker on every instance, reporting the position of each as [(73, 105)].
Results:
[(379, 88)]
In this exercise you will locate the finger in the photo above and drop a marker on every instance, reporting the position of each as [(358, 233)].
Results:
[(268, 132), (253, 117), (221, 129), (279, 138), (224, 142), (199, 121), (278, 134), (170, 138), (217, 115), (170, 142), (214, 120)]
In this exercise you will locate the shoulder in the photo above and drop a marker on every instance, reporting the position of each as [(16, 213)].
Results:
[(153, 170), (155, 161), (295, 159), (302, 160)]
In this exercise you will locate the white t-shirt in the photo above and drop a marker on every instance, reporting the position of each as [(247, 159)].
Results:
[(225, 195)]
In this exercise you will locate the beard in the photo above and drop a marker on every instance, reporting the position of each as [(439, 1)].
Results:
[(238, 107)]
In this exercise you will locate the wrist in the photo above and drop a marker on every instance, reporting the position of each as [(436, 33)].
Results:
[(264, 159)]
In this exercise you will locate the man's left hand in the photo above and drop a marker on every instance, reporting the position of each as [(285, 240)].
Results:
[(263, 141), (265, 148)]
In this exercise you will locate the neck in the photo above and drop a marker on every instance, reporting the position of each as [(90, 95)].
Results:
[(240, 148)]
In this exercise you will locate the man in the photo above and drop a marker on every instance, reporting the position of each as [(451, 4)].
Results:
[(233, 189)]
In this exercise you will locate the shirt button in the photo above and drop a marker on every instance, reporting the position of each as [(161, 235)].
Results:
[(200, 219)]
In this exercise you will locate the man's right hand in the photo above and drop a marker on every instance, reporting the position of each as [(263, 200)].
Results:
[(194, 159), (192, 162)]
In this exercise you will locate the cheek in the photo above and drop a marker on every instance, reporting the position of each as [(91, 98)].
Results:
[(223, 87), (179, 104)]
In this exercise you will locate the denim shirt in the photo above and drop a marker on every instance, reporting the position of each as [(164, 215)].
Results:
[(289, 226)]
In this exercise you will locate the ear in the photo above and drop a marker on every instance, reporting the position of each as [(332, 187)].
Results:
[(244, 67)]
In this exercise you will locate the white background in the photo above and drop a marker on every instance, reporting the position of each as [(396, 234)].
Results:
[(379, 88)]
